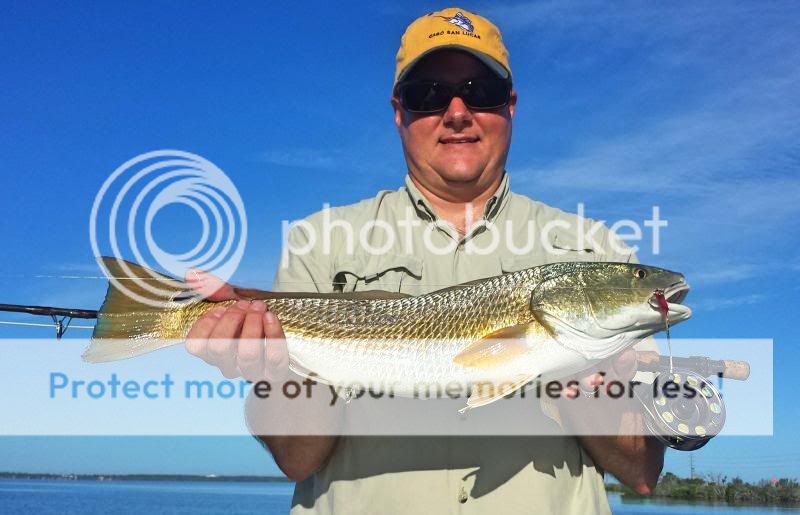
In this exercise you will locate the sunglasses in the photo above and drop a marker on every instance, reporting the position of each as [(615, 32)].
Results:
[(428, 96)]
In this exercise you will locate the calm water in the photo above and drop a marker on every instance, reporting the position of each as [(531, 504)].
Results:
[(168, 497), (150, 497), (648, 507)]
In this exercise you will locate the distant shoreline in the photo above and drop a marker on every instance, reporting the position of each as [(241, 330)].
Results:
[(141, 477), (735, 492)]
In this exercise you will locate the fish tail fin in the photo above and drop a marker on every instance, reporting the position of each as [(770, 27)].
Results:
[(130, 321)]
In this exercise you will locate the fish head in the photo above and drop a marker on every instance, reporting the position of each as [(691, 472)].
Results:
[(601, 308)]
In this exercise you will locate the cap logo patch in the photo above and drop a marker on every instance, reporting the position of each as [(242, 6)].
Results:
[(461, 21)]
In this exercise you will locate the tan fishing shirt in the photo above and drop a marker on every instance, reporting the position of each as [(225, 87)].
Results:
[(443, 475)]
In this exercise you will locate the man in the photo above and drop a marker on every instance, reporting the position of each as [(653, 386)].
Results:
[(453, 107)]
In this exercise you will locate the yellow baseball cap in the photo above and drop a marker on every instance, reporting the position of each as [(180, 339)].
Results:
[(452, 28)]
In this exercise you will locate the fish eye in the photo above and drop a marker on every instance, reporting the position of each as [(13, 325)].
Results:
[(639, 273)]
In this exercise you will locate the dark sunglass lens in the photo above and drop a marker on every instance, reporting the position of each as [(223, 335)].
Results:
[(486, 93), (424, 97)]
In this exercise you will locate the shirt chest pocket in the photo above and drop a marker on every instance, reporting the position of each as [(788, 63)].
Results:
[(389, 273), (564, 247), (565, 250)]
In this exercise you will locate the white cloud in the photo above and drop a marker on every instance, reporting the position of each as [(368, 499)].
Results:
[(373, 151), (744, 136), (720, 303), (721, 157), (734, 124), (92, 268), (577, 34), (709, 132), (725, 274), (299, 158)]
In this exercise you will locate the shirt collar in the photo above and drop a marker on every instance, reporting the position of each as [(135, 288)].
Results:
[(493, 206)]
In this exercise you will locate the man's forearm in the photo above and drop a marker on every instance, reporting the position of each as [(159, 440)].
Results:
[(299, 433), (635, 459), (299, 456), (615, 437)]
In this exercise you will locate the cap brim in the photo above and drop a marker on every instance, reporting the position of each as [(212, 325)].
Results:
[(493, 65)]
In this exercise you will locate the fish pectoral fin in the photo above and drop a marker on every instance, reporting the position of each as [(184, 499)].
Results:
[(486, 392), (494, 349)]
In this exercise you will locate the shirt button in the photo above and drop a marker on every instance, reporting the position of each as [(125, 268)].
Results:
[(462, 495)]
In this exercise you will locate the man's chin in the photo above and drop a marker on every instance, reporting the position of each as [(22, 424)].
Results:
[(456, 179), (456, 175)]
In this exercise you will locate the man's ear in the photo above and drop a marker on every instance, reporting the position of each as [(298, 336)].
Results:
[(398, 111), (512, 103)]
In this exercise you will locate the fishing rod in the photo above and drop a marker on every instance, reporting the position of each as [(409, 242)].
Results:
[(649, 361), (62, 317)]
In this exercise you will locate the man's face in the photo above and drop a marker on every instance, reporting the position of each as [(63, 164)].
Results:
[(457, 149)]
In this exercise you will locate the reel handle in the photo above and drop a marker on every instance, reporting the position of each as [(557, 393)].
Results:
[(650, 361)]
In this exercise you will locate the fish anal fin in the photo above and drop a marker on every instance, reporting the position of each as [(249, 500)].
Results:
[(497, 348), (300, 369), (484, 393)]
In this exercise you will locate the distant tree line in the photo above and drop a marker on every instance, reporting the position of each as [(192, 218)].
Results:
[(719, 488)]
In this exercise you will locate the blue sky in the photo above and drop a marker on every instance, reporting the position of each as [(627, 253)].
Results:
[(691, 107)]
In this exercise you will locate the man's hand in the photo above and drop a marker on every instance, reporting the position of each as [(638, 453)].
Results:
[(619, 369), (610, 429), (242, 340)]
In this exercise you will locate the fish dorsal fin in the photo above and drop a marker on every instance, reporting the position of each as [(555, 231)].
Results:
[(373, 295), (461, 286), (249, 293), (496, 348), (488, 392)]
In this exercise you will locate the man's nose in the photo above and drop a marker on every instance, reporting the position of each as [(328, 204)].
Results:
[(457, 114)]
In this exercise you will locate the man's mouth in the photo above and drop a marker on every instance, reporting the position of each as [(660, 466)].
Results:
[(458, 140)]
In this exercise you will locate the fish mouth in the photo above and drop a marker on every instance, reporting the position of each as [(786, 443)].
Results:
[(674, 295)]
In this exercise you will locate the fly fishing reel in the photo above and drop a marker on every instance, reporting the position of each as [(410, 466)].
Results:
[(684, 409)]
